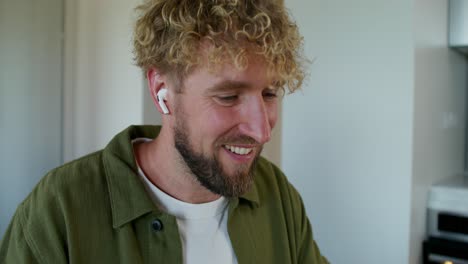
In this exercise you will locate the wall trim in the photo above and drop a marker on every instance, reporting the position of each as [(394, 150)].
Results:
[(69, 77)]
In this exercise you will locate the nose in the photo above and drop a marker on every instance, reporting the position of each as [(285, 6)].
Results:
[(256, 117)]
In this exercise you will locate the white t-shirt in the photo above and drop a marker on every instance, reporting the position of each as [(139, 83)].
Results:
[(202, 227)]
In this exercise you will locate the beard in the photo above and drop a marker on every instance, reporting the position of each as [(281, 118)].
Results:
[(208, 171)]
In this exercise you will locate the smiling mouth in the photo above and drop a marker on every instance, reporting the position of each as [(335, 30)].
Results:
[(238, 150)]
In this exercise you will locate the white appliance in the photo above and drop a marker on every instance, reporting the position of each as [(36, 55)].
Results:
[(448, 209), (458, 25)]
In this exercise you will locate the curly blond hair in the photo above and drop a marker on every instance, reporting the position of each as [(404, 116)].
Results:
[(168, 35)]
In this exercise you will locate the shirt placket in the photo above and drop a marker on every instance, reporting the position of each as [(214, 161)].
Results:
[(161, 240), (240, 233)]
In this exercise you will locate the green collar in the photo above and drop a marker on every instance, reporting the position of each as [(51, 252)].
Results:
[(128, 196)]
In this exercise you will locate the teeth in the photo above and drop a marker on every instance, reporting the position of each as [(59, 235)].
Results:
[(238, 150)]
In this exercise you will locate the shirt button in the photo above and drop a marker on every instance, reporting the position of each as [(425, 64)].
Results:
[(157, 225)]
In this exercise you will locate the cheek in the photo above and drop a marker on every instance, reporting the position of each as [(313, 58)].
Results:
[(272, 115), (221, 120), (211, 123)]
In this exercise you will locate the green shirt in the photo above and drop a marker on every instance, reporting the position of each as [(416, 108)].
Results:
[(96, 210)]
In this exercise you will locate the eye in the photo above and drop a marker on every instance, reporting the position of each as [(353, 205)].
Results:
[(226, 100), (270, 94)]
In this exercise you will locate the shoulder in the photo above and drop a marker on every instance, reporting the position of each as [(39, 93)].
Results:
[(70, 179), (63, 190), (57, 203), (273, 185)]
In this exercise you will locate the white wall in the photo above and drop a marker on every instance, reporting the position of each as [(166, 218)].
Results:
[(347, 138), (381, 120), (30, 97), (104, 90), (439, 111)]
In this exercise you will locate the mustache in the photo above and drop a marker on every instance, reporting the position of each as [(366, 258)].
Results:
[(238, 139)]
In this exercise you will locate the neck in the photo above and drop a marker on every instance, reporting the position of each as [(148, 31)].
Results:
[(165, 168)]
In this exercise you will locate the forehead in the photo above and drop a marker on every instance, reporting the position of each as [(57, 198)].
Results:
[(226, 76)]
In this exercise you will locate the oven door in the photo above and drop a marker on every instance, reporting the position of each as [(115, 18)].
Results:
[(444, 251), (448, 225)]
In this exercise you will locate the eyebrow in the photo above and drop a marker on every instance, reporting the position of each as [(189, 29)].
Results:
[(231, 85), (228, 85)]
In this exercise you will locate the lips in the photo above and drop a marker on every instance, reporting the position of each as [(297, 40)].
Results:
[(238, 150)]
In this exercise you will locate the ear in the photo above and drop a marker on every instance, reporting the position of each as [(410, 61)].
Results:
[(156, 82)]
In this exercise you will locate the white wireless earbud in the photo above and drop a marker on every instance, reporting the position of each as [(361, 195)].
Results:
[(161, 97)]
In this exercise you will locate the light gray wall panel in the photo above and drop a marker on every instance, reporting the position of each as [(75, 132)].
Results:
[(30, 97)]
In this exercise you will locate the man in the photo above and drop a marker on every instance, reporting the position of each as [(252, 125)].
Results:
[(196, 189)]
